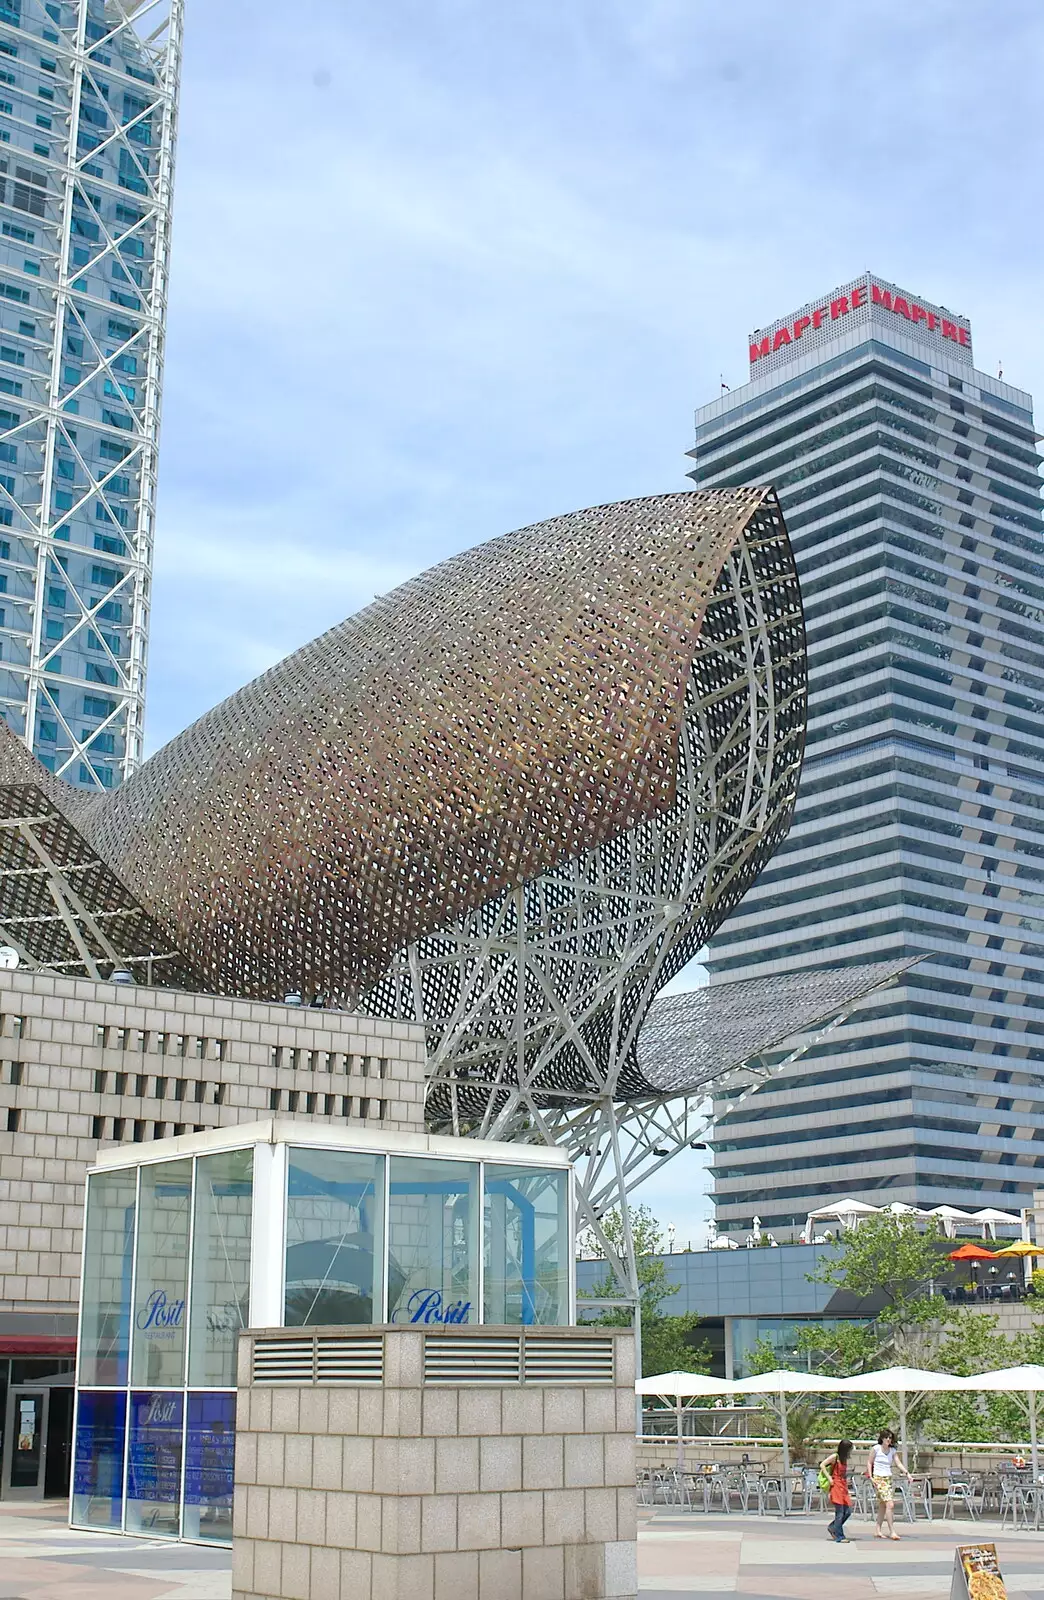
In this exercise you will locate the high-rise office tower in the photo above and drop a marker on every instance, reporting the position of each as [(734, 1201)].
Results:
[(909, 481), (88, 98)]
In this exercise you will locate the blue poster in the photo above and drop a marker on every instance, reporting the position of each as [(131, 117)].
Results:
[(154, 1462), (98, 1460), (210, 1449)]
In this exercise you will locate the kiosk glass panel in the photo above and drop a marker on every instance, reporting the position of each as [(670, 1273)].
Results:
[(154, 1464), (108, 1257), (97, 1480), (526, 1242), (219, 1305), (161, 1274), (433, 1254), (334, 1237)]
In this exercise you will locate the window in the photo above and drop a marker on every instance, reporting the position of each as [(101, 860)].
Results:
[(113, 450), (335, 1237), (45, 92), (63, 500), (49, 732), (103, 743), (42, 121), (26, 235), (120, 330), (116, 419), (119, 486), (11, 292), (97, 673), (66, 468), (54, 664), (54, 629), (9, 353), (126, 363), (71, 375), (28, 190), (433, 1236), (109, 577), (111, 547), (93, 706), (9, 386), (56, 597), (28, 329)]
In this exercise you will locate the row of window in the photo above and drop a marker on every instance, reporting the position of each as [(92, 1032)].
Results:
[(327, 1105), (163, 1043), (202, 1091)]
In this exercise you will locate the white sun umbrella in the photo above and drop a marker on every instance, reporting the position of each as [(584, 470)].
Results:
[(776, 1386), (679, 1386), (903, 1382), (1016, 1381)]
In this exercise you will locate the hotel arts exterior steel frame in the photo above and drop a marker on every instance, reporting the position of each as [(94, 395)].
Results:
[(509, 800), (87, 127)]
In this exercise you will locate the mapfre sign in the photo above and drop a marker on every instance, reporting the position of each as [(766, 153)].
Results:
[(868, 299)]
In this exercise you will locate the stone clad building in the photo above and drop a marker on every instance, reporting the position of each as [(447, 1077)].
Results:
[(85, 1065)]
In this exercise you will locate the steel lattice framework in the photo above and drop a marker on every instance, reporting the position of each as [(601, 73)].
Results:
[(508, 801), (86, 174)]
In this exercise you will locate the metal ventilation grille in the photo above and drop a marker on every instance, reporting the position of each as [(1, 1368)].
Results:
[(496, 1359), (551, 1360), (284, 1361), (349, 1360)]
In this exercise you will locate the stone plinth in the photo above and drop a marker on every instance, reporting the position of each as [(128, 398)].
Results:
[(443, 1464)]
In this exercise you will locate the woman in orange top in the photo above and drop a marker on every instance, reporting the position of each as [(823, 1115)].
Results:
[(837, 1467)]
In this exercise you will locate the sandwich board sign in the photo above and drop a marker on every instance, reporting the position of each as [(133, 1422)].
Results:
[(977, 1573)]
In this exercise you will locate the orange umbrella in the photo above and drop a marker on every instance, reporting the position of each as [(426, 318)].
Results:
[(971, 1252)]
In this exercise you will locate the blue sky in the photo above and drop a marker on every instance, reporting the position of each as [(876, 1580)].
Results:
[(442, 268)]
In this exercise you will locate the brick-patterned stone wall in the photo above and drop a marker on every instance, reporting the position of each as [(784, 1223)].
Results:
[(415, 1490), (86, 1065)]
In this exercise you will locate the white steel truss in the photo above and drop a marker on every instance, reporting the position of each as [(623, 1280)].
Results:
[(88, 106)]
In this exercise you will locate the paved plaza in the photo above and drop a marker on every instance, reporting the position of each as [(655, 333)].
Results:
[(712, 1557)]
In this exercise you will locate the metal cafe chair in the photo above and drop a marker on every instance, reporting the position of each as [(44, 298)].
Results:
[(960, 1491)]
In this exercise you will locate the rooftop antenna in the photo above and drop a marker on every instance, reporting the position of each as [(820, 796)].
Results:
[(1000, 369)]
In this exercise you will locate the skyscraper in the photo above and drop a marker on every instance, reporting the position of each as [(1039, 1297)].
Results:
[(88, 98), (909, 481)]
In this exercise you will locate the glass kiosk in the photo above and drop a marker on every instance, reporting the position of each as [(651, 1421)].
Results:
[(190, 1240)]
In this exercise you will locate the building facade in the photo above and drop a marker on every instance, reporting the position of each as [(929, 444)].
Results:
[(93, 1066), (88, 99), (909, 482)]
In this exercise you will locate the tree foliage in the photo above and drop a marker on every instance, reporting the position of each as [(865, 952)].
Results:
[(669, 1343), (890, 1259)]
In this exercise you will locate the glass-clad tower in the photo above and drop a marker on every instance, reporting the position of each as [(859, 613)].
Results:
[(909, 481), (88, 97)]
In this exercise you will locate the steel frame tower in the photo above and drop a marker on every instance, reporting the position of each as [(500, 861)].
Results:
[(88, 106)]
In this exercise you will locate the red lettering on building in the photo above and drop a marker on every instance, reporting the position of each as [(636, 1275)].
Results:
[(855, 300)]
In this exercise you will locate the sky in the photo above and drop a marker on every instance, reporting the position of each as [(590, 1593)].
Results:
[(443, 268)]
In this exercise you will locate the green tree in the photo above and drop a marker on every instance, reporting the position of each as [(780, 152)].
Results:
[(669, 1343), (890, 1259)]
